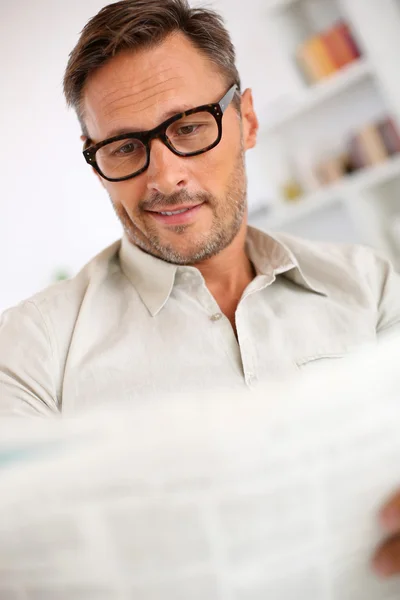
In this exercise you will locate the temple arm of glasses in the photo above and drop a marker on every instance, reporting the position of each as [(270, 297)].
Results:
[(227, 99)]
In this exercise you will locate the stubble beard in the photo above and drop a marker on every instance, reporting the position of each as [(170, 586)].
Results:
[(228, 215)]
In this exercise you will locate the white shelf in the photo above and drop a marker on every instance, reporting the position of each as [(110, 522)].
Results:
[(372, 177), (333, 86), (274, 5), (363, 181), (298, 209), (363, 92)]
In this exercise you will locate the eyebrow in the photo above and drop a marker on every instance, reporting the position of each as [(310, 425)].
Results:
[(166, 116)]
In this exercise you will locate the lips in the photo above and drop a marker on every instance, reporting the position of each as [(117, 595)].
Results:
[(177, 215), (174, 210)]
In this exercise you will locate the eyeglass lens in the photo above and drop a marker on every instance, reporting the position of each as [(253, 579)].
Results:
[(190, 134)]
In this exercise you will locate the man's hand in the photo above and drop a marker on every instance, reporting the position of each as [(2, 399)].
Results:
[(387, 557)]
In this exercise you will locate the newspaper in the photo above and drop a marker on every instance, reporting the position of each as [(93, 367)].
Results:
[(269, 495)]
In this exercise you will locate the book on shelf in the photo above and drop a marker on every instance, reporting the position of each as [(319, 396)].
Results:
[(338, 40), (372, 145), (345, 31), (315, 61), (326, 53), (356, 154), (390, 135), (331, 170)]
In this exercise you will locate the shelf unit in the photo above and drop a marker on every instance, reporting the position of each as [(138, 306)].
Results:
[(274, 5), (361, 182), (313, 97), (376, 26)]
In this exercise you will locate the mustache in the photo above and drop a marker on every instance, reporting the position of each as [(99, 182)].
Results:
[(177, 199)]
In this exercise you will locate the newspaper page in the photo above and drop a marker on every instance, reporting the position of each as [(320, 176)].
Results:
[(271, 495)]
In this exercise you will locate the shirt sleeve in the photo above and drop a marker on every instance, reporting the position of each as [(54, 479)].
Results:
[(27, 364), (389, 300)]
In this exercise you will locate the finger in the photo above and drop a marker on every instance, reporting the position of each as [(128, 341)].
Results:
[(386, 561), (390, 514)]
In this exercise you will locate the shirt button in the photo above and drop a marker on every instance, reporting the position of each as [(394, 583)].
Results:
[(216, 317)]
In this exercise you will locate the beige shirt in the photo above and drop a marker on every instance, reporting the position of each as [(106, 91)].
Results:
[(131, 326)]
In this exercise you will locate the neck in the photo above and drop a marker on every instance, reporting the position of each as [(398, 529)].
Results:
[(229, 273)]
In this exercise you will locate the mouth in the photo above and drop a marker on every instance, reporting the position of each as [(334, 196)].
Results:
[(178, 216)]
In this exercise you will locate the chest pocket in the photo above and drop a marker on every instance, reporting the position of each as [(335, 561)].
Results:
[(333, 344), (319, 361), (328, 330)]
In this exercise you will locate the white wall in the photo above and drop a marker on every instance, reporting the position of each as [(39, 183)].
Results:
[(53, 212)]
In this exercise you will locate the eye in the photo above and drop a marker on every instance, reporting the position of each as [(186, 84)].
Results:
[(188, 129), (127, 148)]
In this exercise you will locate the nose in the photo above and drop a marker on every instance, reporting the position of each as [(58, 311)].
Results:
[(166, 173)]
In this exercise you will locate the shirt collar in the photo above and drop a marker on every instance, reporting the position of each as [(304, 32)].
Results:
[(272, 257), (154, 278)]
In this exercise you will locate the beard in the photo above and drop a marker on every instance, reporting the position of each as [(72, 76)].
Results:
[(227, 218)]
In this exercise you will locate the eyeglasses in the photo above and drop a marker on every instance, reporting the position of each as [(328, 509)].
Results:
[(190, 133)]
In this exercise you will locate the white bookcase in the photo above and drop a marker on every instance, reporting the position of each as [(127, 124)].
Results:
[(365, 206)]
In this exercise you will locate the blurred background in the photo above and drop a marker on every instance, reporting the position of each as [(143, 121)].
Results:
[(326, 83)]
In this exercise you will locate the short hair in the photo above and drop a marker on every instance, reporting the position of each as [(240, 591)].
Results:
[(137, 24)]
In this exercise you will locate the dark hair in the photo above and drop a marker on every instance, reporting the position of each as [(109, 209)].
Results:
[(137, 24)]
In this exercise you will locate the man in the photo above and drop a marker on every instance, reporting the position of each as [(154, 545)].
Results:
[(191, 298)]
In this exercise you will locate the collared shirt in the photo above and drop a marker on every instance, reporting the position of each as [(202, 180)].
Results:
[(130, 326)]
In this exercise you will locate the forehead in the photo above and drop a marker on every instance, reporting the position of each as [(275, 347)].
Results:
[(135, 91)]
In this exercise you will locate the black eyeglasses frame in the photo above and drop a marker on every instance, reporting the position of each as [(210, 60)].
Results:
[(145, 137)]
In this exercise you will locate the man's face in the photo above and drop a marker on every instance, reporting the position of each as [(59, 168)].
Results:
[(136, 92)]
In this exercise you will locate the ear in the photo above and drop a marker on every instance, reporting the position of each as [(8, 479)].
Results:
[(249, 120), (84, 139)]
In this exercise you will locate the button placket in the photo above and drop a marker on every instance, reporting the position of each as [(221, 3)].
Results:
[(209, 303), (246, 351)]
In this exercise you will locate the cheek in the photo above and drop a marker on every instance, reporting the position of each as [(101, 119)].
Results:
[(126, 193), (213, 170)]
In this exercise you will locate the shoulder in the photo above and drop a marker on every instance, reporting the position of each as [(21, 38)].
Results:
[(54, 310), (68, 295), (336, 264), (350, 273), (317, 252), (35, 337)]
